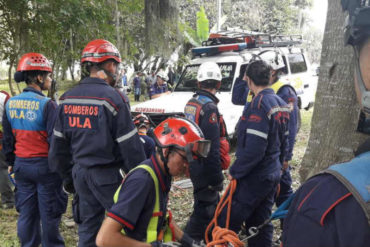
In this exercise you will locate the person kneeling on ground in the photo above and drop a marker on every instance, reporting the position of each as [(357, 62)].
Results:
[(139, 216)]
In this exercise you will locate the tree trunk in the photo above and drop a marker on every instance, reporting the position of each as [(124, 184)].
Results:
[(19, 89), (333, 137), (72, 71), (161, 18), (10, 76)]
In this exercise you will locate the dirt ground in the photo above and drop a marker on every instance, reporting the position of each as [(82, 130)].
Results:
[(180, 201)]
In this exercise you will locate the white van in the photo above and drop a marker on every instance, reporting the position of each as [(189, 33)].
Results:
[(233, 64)]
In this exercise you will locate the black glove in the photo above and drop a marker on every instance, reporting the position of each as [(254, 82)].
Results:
[(68, 185), (187, 241)]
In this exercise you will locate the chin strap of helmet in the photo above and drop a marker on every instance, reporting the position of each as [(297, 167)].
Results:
[(164, 160), (114, 76)]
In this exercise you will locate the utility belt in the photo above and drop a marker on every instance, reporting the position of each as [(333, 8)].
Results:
[(209, 193), (193, 111)]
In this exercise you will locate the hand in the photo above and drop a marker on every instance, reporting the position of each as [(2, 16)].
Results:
[(285, 165), (10, 169), (229, 177)]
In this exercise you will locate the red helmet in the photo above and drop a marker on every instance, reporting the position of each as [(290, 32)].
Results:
[(100, 50), (141, 120), (183, 134), (34, 61)]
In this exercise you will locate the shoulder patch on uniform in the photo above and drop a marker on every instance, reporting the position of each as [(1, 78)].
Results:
[(213, 118), (190, 112), (190, 109), (254, 118)]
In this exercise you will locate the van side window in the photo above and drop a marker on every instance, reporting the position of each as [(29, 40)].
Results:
[(297, 63)]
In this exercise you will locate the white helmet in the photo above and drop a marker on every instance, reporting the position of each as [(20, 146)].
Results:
[(162, 75), (209, 71), (272, 58)]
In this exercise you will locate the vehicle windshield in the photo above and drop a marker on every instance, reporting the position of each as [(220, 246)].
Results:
[(188, 80)]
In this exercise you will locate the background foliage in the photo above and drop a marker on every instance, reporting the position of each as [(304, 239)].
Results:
[(146, 32)]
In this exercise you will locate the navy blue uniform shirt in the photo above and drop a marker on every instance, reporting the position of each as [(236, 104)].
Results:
[(239, 97), (149, 145), (262, 136), (208, 121), (325, 214), (136, 200), (93, 127), (157, 89)]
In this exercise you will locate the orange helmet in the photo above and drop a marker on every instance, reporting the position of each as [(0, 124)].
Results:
[(141, 120), (100, 50), (34, 61), (182, 134)]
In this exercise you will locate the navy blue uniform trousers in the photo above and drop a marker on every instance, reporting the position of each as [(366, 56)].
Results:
[(252, 203), (39, 196), (95, 187)]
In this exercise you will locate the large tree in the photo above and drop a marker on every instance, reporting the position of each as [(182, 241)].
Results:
[(333, 135)]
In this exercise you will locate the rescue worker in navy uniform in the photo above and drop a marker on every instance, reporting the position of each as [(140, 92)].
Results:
[(262, 144), (207, 176), (138, 217), (241, 94), (160, 87), (94, 137), (333, 207), (7, 195), (28, 126), (142, 124)]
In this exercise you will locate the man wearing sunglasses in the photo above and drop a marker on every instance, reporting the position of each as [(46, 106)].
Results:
[(139, 216), (333, 207)]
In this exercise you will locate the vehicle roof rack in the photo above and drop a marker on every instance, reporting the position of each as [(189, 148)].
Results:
[(236, 40)]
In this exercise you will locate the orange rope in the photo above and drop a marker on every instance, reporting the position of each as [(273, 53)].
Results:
[(223, 236)]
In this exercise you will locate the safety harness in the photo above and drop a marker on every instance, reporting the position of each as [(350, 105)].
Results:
[(223, 236), (167, 232), (193, 111), (354, 175)]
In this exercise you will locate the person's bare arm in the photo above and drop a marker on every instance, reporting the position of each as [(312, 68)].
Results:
[(110, 236)]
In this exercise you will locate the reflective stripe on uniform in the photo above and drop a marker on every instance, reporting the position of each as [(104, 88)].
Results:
[(58, 134), (286, 132), (257, 133), (90, 102), (127, 136), (277, 109)]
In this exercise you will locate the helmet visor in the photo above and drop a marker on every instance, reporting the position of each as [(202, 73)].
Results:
[(201, 148)]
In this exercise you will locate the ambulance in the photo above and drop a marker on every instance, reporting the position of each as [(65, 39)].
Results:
[(232, 51)]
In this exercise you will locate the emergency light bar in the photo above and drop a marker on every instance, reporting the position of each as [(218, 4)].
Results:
[(236, 41), (209, 50)]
